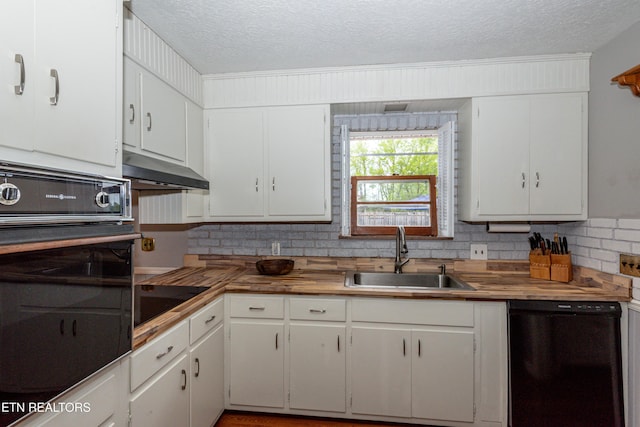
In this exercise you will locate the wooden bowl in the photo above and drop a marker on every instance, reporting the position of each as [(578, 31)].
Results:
[(274, 267)]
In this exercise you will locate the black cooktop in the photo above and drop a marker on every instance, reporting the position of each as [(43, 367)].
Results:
[(150, 301)]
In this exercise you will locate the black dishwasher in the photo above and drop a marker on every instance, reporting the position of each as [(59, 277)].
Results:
[(565, 364)]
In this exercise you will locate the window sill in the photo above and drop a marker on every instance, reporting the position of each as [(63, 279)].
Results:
[(392, 237)]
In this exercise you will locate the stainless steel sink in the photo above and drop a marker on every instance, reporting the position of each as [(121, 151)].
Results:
[(432, 281)]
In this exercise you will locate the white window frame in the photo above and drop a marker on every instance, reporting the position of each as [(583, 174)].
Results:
[(444, 185)]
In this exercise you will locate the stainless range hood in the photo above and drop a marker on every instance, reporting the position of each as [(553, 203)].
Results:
[(147, 173)]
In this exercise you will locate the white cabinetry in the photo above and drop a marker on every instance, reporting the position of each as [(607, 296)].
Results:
[(270, 164), (256, 351), (154, 115), (100, 401), (178, 378), (411, 370), (207, 365), (317, 354), (523, 158), (67, 113)]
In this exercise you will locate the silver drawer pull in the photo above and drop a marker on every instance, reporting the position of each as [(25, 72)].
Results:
[(317, 310), (256, 308), (19, 89), (132, 108), (161, 355), (210, 319)]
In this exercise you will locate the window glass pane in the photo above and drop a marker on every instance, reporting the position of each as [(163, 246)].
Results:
[(393, 215), (393, 191), (404, 156)]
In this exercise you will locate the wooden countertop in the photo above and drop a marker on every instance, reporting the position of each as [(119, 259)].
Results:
[(491, 280)]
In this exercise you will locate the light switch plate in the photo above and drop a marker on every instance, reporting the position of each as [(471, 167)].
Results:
[(478, 251)]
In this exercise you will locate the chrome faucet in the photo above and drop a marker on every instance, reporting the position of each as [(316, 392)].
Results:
[(401, 249)]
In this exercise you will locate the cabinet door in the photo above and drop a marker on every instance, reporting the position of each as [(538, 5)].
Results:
[(298, 147), (164, 402), (164, 119), (17, 38), (381, 371), (502, 156), (79, 40), (443, 375), (207, 379), (557, 154), (256, 371), (132, 112), (236, 159), (317, 367)]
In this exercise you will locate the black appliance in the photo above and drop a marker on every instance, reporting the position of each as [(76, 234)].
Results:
[(565, 364), (150, 301), (66, 286)]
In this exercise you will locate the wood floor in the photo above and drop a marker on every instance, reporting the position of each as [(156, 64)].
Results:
[(243, 419)]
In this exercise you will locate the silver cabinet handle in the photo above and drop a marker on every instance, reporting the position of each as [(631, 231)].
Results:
[(523, 179), (419, 348), (338, 343), (317, 310), (150, 122), (161, 355), (54, 99), (184, 380), (197, 368), (210, 319), (19, 89), (133, 113), (256, 308), (404, 347), (273, 184), (537, 179), (276, 340), (256, 185)]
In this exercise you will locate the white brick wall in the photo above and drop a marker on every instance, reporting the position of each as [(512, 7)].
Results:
[(324, 239)]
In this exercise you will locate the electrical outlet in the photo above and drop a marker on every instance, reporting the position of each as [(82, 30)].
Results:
[(148, 244), (478, 251), (275, 248)]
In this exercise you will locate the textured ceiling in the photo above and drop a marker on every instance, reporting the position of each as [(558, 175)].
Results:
[(218, 36)]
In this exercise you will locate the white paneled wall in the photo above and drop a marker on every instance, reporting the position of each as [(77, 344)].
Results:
[(459, 79), (146, 48)]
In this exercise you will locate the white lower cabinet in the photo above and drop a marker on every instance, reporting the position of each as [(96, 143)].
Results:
[(97, 402), (432, 362), (381, 371), (164, 401), (317, 354), (404, 372), (255, 351), (178, 378)]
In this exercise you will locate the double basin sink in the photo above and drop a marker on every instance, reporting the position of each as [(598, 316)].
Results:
[(423, 281)]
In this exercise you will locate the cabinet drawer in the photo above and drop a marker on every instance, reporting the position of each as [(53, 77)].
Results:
[(204, 320), (445, 313), (255, 306), (153, 356), (317, 309)]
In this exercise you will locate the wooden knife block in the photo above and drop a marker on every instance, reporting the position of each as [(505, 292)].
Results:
[(561, 268), (539, 265)]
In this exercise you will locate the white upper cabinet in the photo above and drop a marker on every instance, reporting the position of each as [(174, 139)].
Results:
[(523, 158), (65, 110), (270, 164), (154, 115)]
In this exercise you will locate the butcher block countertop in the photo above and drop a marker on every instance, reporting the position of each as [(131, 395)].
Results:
[(492, 280)]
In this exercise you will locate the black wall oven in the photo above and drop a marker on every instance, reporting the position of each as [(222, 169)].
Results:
[(65, 282)]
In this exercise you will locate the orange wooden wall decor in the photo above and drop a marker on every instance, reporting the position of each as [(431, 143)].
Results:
[(630, 78)]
